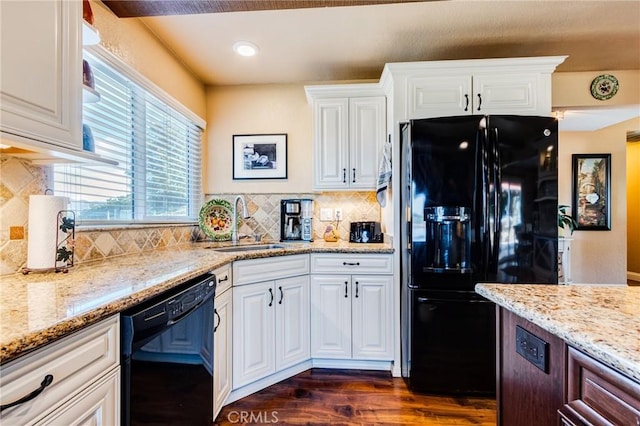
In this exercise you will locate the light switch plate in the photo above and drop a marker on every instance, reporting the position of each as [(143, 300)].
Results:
[(326, 214)]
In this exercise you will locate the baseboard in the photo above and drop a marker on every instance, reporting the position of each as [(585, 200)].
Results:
[(348, 364), (254, 387), (634, 276)]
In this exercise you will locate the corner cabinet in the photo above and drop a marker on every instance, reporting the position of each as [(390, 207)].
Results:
[(520, 86), (351, 307), (270, 316), (41, 90), (349, 127)]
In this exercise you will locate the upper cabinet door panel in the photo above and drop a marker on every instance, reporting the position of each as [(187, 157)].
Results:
[(331, 156), (40, 90), (438, 96), (507, 94), (367, 118)]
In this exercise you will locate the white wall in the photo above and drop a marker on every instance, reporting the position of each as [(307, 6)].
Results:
[(273, 108), (599, 257)]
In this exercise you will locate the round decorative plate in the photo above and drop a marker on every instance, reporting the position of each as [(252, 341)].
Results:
[(604, 87), (216, 219)]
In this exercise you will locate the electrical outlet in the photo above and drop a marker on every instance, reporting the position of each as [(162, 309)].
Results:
[(338, 214), (326, 214)]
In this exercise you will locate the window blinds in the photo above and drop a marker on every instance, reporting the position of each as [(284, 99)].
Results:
[(158, 176)]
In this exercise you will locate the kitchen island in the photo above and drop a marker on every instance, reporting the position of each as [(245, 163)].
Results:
[(567, 354)]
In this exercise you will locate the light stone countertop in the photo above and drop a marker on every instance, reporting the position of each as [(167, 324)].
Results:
[(38, 308), (602, 321)]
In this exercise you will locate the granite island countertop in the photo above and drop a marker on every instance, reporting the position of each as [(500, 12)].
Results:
[(39, 308), (600, 320)]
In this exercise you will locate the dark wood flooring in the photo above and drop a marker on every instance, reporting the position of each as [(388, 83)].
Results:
[(354, 397)]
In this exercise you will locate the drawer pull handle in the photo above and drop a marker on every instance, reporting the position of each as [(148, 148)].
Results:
[(350, 263), (281, 295), (221, 280), (466, 106), (215, 311), (479, 101), (354, 175), (344, 175), (346, 289), (357, 289), (271, 294), (48, 379)]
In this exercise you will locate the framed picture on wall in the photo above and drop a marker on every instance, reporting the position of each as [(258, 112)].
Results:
[(592, 191), (260, 156)]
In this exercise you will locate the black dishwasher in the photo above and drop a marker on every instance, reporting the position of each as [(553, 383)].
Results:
[(167, 357)]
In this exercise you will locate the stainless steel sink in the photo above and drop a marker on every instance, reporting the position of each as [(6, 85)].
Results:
[(248, 247)]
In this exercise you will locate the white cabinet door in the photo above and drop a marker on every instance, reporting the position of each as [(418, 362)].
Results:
[(97, 405), (331, 316), (367, 119), (331, 145), (439, 96), (349, 133), (372, 304), (41, 74), (222, 355), (508, 94), (292, 321), (253, 332)]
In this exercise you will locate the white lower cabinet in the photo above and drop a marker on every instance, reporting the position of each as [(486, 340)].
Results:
[(99, 404), (222, 355), (85, 385), (351, 307), (351, 317), (270, 327)]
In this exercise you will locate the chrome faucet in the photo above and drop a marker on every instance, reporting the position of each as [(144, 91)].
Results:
[(234, 223)]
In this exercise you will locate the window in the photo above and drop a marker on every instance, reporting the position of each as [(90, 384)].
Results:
[(158, 176)]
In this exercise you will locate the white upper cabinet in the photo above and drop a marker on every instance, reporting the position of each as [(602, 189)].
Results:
[(519, 86), (41, 73), (349, 123)]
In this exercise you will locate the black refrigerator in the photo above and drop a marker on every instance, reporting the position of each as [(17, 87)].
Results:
[(479, 204)]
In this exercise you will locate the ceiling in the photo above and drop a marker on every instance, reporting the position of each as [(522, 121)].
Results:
[(343, 43)]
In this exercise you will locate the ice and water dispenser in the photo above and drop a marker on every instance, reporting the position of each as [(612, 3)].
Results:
[(448, 238)]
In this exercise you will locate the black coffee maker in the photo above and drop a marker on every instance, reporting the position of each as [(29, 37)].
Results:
[(296, 217)]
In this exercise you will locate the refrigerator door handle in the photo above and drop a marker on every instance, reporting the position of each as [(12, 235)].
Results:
[(497, 185)]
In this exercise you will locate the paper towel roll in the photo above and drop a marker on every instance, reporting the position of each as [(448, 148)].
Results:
[(43, 228)]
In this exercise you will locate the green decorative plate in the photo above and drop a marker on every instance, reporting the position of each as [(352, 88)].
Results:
[(216, 219), (604, 87)]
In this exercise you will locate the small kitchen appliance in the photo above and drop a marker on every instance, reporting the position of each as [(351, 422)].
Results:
[(365, 232), (296, 220)]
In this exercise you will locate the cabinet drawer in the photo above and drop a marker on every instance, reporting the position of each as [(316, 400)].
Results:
[(224, 279), (598, 394), (97, 405), (74, 362), (351, 264), (269, 268)]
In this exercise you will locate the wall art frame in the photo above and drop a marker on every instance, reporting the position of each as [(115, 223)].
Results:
[(591, 199), (260, 156)]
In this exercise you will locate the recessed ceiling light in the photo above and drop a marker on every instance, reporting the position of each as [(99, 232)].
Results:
[(245, 48)]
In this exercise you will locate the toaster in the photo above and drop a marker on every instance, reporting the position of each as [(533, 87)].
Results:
[(365, 232)]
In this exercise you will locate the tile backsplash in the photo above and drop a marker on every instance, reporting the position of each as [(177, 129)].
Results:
[(19, 179), (265, 211)]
